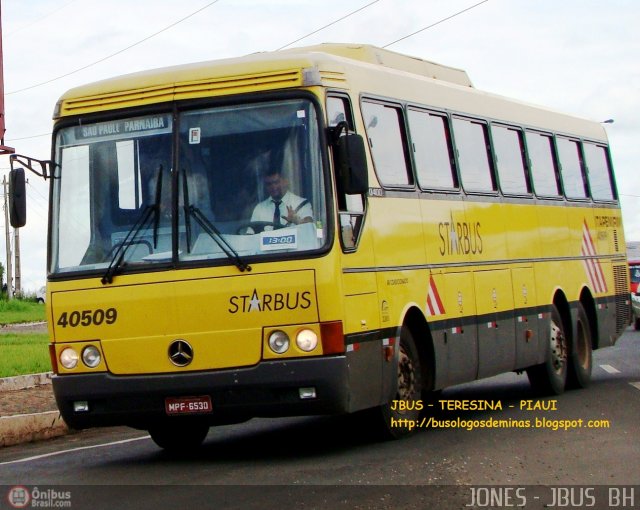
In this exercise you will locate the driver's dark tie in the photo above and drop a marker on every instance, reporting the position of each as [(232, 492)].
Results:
[(276, 214)]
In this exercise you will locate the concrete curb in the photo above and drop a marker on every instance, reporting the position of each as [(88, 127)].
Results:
[(17, 325), (21, 382), (23, 428)]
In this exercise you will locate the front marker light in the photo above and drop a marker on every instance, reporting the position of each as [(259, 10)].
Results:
[(81, 406), (307, 393), (279, 342), (69, 358), (91, 356), (307, 340)]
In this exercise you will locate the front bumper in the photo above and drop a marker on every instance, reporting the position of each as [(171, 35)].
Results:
[(268, 389)]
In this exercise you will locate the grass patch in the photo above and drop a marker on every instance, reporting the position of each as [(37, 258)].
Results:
[(24, 353), (16, 310)]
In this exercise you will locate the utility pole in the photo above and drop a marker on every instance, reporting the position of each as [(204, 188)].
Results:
[(17, 273), (5, 186)]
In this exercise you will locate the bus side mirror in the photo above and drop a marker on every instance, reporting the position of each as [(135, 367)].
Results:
[(17, 198), (351, 165)]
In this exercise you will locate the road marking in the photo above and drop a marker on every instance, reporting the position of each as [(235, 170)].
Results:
[(635, 384), (610, 369), (53, 454)]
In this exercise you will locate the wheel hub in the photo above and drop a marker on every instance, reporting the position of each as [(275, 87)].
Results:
[(558, 348), (406, 377)]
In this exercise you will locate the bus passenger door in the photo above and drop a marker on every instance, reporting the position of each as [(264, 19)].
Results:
[(361, 317), (363, 345)]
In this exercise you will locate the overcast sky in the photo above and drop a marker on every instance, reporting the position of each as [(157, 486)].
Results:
[(577, 56)]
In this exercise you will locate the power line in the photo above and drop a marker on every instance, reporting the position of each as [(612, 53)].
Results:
[(436, 23), (280, 48), (37, 20), (27, 137), (37, 207), (160, 31), (114, 54), (37, 192), (328, 25)]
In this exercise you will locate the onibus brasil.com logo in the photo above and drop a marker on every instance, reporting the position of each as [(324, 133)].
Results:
[(23, 497)]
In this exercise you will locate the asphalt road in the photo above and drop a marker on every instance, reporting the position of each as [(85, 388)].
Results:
[(585, 438)]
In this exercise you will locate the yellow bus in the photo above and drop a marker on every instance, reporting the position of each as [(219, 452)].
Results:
[(321, 230)]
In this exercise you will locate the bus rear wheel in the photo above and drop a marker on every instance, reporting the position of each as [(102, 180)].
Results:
[(550, 377), (179, 437), (580, 362)]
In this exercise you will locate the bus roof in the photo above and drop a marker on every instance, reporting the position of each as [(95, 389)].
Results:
[(380, 56), (331, 65), (265, 62)]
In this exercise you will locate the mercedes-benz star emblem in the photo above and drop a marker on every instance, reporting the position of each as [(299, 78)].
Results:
[(180, 353)]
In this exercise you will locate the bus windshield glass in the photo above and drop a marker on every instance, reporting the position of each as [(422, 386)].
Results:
[(222, 185)]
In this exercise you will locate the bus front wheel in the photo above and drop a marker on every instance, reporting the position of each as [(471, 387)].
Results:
[(402, 414), (550, 377)]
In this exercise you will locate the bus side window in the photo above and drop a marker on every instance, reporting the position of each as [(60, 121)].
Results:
[(432, 150), (471, 141), (570, 160), (599, 172), (339, 110), (508, 146), (351, 208), (542, 164), (387, 140)]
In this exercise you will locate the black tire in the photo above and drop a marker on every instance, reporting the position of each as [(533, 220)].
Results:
[(581, 359), (550, 377), (401, 415), (179, 437), (636, 324)]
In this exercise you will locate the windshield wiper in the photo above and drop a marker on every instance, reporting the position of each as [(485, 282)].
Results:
[(215, 234), (118, 256), (153, 209), (209, 228)]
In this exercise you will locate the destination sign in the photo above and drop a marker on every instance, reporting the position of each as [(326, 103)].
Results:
[(153, 124)]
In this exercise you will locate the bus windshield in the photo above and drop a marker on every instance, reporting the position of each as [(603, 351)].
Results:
[(219, 185)]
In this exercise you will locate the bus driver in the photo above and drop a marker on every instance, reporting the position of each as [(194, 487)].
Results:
[(282, 207)]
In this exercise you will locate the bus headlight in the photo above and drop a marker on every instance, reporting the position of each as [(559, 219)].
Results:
[(69, 358), (279, 342), (91, 356), (307, 340)]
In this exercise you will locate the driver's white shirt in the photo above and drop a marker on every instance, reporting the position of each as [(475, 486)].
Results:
[(265, 209)]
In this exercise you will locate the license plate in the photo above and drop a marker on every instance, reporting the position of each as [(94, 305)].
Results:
[(188, 405)]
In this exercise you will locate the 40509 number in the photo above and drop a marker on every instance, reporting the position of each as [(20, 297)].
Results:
[(87, 317)]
